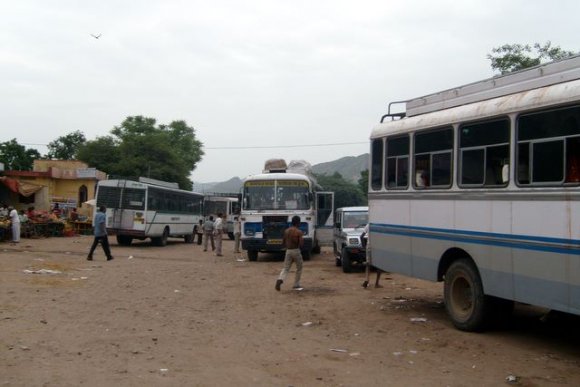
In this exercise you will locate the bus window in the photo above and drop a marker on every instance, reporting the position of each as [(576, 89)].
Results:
[(397, 162), (377, 164), (549, 135), (433, 151), (484, 151)]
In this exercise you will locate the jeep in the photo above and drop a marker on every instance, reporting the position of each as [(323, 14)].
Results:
[(349, 247)]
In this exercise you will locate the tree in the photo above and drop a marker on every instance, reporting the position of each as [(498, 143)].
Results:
[(346, 194), (139, 147), (514, 57), (17, 157), (102, 153), (363, 181), (66, 147)]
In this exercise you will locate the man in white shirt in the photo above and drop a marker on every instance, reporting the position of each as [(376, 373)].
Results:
[(218, 230), (237, 234), (15, 220)]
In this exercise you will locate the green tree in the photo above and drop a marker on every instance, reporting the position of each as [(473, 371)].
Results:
[(345, 193), (16, 157), (66, 147), (102, 153), (514, 57), (139, 147), (363, 181)]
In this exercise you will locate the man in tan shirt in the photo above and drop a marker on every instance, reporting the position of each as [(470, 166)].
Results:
[(293, 241)]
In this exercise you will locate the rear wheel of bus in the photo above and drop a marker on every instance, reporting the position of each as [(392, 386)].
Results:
[(162, 240), (465, 301), (189, 237)]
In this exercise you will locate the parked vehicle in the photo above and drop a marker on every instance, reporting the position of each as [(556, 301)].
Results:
[(348, 244), (479, 186), (227, 205), (149, 208), (271, 199)]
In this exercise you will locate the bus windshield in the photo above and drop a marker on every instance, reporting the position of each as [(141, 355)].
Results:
[(276, 195)]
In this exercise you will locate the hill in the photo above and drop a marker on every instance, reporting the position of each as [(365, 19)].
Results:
[(349, 167)]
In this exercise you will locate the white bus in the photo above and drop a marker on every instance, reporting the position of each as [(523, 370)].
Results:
[(149, 208), (479, 187), (228, 206), (271, 199)]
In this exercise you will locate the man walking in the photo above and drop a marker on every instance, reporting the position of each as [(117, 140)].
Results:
[(100, 231), (218, 230), (208, 233), (293, 241)]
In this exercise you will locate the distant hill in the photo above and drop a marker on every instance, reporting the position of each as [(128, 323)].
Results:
[(349, 167), (231, 186)]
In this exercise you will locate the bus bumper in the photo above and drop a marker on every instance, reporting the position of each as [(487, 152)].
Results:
[(265, 245)]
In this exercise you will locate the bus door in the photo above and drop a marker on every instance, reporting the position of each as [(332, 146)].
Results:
[(324, 218)]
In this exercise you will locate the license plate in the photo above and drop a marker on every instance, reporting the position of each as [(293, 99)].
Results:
[(274, 242)]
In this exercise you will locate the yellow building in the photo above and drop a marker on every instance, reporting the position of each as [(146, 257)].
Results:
[(69, 183)]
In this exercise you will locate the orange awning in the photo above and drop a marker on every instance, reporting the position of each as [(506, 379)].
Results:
[(23, 188)]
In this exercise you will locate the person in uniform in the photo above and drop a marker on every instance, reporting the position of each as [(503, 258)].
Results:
[(208, 233)]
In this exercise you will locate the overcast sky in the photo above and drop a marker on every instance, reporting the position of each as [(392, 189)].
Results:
[(256, 79)]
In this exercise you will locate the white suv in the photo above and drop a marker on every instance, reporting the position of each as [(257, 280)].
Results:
[(348, 246)]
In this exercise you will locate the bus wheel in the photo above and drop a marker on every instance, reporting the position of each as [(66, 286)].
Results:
[(465, 302), (124, 240), (316, 249), (306, 255), (162, 240), (189, 238), (252, 255), (231, 236), (346, 261)]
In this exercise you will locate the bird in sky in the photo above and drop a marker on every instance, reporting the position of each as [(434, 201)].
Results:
[(96, 36)]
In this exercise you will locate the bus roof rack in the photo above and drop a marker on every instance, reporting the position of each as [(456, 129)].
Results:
[(527, 79), (394, 116)]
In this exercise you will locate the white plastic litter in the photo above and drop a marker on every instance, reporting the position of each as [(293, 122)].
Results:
[(418, 319), (42, 271)]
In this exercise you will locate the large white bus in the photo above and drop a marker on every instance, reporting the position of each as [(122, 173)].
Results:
[(479, 187), (272, 198), (149, 208), (225, 204)]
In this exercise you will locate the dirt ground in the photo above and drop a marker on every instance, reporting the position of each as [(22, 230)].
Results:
[(177, 316)]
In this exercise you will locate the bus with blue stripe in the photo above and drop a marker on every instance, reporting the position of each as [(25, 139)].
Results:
[(479, 187)]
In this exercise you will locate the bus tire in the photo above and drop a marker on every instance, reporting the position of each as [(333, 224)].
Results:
[(189, 238), (252, 255), (162, 240), (124, 240), (465, 302), (306, 255), (231, 236), (346, 261)]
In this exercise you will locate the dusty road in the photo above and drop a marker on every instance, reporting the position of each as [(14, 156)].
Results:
[(176, 316)]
